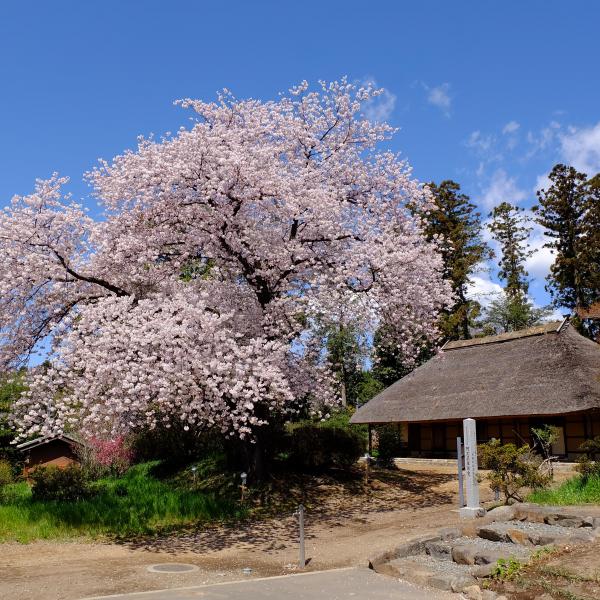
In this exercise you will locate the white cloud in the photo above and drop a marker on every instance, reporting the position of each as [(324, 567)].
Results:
[(440, 96), (542, 182), (381, 107), (483, 289), (542, 140), (510, 127), (581, 148), (478, 141), (502, 188), (538, 265)]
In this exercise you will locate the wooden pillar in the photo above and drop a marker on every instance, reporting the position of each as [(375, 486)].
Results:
[(370, 440)]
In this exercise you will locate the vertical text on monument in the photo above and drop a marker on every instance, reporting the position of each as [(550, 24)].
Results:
[(472, 508)]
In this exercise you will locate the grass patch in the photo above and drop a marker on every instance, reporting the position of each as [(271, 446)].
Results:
[(136, 504), (577, 490)]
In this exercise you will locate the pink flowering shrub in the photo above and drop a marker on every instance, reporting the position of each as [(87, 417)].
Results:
[(100, 456)]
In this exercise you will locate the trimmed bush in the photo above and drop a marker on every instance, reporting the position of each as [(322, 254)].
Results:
[(589, 465), (389, 443), (66, 485), (6, 473), (512, 469), (313, 447)]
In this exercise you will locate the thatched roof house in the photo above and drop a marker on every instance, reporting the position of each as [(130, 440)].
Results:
[(511, 382)]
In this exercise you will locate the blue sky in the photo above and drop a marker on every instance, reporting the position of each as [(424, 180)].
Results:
[(490, 94)]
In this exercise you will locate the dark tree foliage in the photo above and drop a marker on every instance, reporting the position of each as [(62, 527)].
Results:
[(590, 242), (389, 364), (345, 354), (506, 314), (510, 229), (11, 387), (455, 221), (561, 212), (569, 210)]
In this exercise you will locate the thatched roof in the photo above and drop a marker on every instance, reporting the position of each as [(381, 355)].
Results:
[(544, 370)]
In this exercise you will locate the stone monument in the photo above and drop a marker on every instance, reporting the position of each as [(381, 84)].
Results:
[(472, 509)]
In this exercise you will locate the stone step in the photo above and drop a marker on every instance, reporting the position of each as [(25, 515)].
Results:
[(428, 571), (476, 551), (526, 533)]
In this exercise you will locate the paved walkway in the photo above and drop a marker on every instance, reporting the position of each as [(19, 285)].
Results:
[(337, 584)]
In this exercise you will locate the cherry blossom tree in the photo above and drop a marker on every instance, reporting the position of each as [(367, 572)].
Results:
[(194, 297)]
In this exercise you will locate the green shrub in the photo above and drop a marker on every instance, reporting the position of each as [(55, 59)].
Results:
[(588, 465), (53, 483), (320, 447), (6, 473), (389, 443), (588, 468), (507, 569), (512, 469)]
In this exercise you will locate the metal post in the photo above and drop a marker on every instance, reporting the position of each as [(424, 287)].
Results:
[(244, 478), (302, 556), (367, 467), (461, 492)]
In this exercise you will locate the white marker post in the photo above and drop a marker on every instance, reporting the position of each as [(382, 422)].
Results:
[(472, 509)]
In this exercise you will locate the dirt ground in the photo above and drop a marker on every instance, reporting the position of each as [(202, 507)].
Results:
[(344, 527), (569, 575)]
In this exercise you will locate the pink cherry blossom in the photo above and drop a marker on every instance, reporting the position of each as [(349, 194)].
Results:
[(194, 298)]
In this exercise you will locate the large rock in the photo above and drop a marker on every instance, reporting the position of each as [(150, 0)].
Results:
[(563, 520), (439, 550), (473, 592), (414, 546), (502, 513), (451, 583), (518, 536), (494, 534), (464, 554)]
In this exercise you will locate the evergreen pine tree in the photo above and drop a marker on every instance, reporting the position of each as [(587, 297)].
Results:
[(589, 244), (455, 221), (560, 211), (510, 229), (512, 310)]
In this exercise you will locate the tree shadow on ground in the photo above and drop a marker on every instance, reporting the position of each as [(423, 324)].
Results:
[(334, 499)]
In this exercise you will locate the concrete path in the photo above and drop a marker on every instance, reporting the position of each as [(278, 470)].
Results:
[(337, 584)]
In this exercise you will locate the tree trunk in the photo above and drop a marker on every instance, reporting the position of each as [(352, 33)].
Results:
[(257, 464)]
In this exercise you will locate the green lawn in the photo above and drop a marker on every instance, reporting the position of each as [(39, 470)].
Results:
[(137, 503), (574, 491)]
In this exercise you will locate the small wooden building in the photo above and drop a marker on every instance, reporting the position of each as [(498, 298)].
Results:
[(45, 451), (509, 383)]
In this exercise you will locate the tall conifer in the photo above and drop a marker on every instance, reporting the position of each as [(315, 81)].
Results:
[(561, 212), (454, 219), (510, 228)]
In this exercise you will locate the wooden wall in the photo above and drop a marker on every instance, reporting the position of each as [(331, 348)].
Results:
[(56, 453), (438, 439)]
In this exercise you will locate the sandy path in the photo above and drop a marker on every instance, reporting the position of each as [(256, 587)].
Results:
[(344, 531)]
